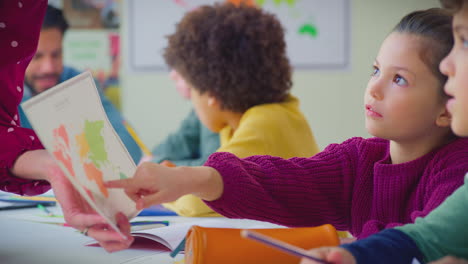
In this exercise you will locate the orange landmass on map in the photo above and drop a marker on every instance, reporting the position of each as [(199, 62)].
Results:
[(60, 150), (65, 159), (62, 132), (83, 144), (95, 175)]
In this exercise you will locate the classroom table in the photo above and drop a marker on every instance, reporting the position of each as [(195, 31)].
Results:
[(24, 241)]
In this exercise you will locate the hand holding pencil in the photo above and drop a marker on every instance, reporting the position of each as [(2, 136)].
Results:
[(335, 255), (326, 255)]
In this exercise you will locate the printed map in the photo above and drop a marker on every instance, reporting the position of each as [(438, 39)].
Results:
[(84, 143)]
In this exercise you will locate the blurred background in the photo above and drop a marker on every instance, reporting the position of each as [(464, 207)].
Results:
[(331, 45)]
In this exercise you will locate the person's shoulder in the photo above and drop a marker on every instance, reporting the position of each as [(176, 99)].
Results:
[(373, 142), (272, 115), (457, 151), (27, 94), (460, 144), (377, 146), (291, 103), (68, 73), (192, 118), (452, 157)]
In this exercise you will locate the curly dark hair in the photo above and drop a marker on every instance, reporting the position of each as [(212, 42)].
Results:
[(237, 54)]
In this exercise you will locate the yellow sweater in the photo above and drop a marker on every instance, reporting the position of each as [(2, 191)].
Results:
[(277, 129)]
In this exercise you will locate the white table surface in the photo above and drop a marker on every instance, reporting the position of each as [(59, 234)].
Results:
[(24, 241)]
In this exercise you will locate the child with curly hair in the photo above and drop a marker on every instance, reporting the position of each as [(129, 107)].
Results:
[(233, 60)]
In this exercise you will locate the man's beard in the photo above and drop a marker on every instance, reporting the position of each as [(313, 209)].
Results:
[(34, 89)]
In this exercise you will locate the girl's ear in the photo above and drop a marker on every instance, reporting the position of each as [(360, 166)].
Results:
[(444, 119)]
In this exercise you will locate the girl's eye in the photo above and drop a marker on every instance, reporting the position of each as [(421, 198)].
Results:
[(459, 39), (400, 80), (375, 71), (464, 42)]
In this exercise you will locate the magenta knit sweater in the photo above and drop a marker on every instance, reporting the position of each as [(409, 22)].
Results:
[(350, 185)]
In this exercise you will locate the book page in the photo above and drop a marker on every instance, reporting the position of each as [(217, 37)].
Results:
[(70, 121), (173, 234)]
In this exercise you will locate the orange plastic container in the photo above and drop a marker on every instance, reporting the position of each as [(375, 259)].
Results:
[(226, 246)]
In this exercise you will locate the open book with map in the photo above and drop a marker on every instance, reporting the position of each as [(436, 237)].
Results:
[(71, 123)]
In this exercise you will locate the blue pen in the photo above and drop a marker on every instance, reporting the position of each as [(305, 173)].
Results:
[(288, 248), (140, 223), (178, 249)]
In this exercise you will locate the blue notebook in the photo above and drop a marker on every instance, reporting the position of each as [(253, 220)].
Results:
[(12, 201)]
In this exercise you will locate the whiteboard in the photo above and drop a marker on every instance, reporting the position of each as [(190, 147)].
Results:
[(317, 31)]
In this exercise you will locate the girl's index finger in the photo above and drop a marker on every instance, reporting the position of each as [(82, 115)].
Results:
[(123, 183)]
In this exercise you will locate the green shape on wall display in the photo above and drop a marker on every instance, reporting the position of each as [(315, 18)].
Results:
[(308, 29)]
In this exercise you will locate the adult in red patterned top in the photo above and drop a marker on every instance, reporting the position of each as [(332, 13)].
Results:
[(25, 167)]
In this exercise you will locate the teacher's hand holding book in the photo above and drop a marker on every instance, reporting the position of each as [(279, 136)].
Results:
[(81, 216), (76, 210)]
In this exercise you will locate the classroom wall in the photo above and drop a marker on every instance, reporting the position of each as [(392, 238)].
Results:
[(332, 101)]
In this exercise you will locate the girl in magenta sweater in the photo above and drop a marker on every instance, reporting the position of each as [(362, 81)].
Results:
[(441, 236), (362, 185)]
